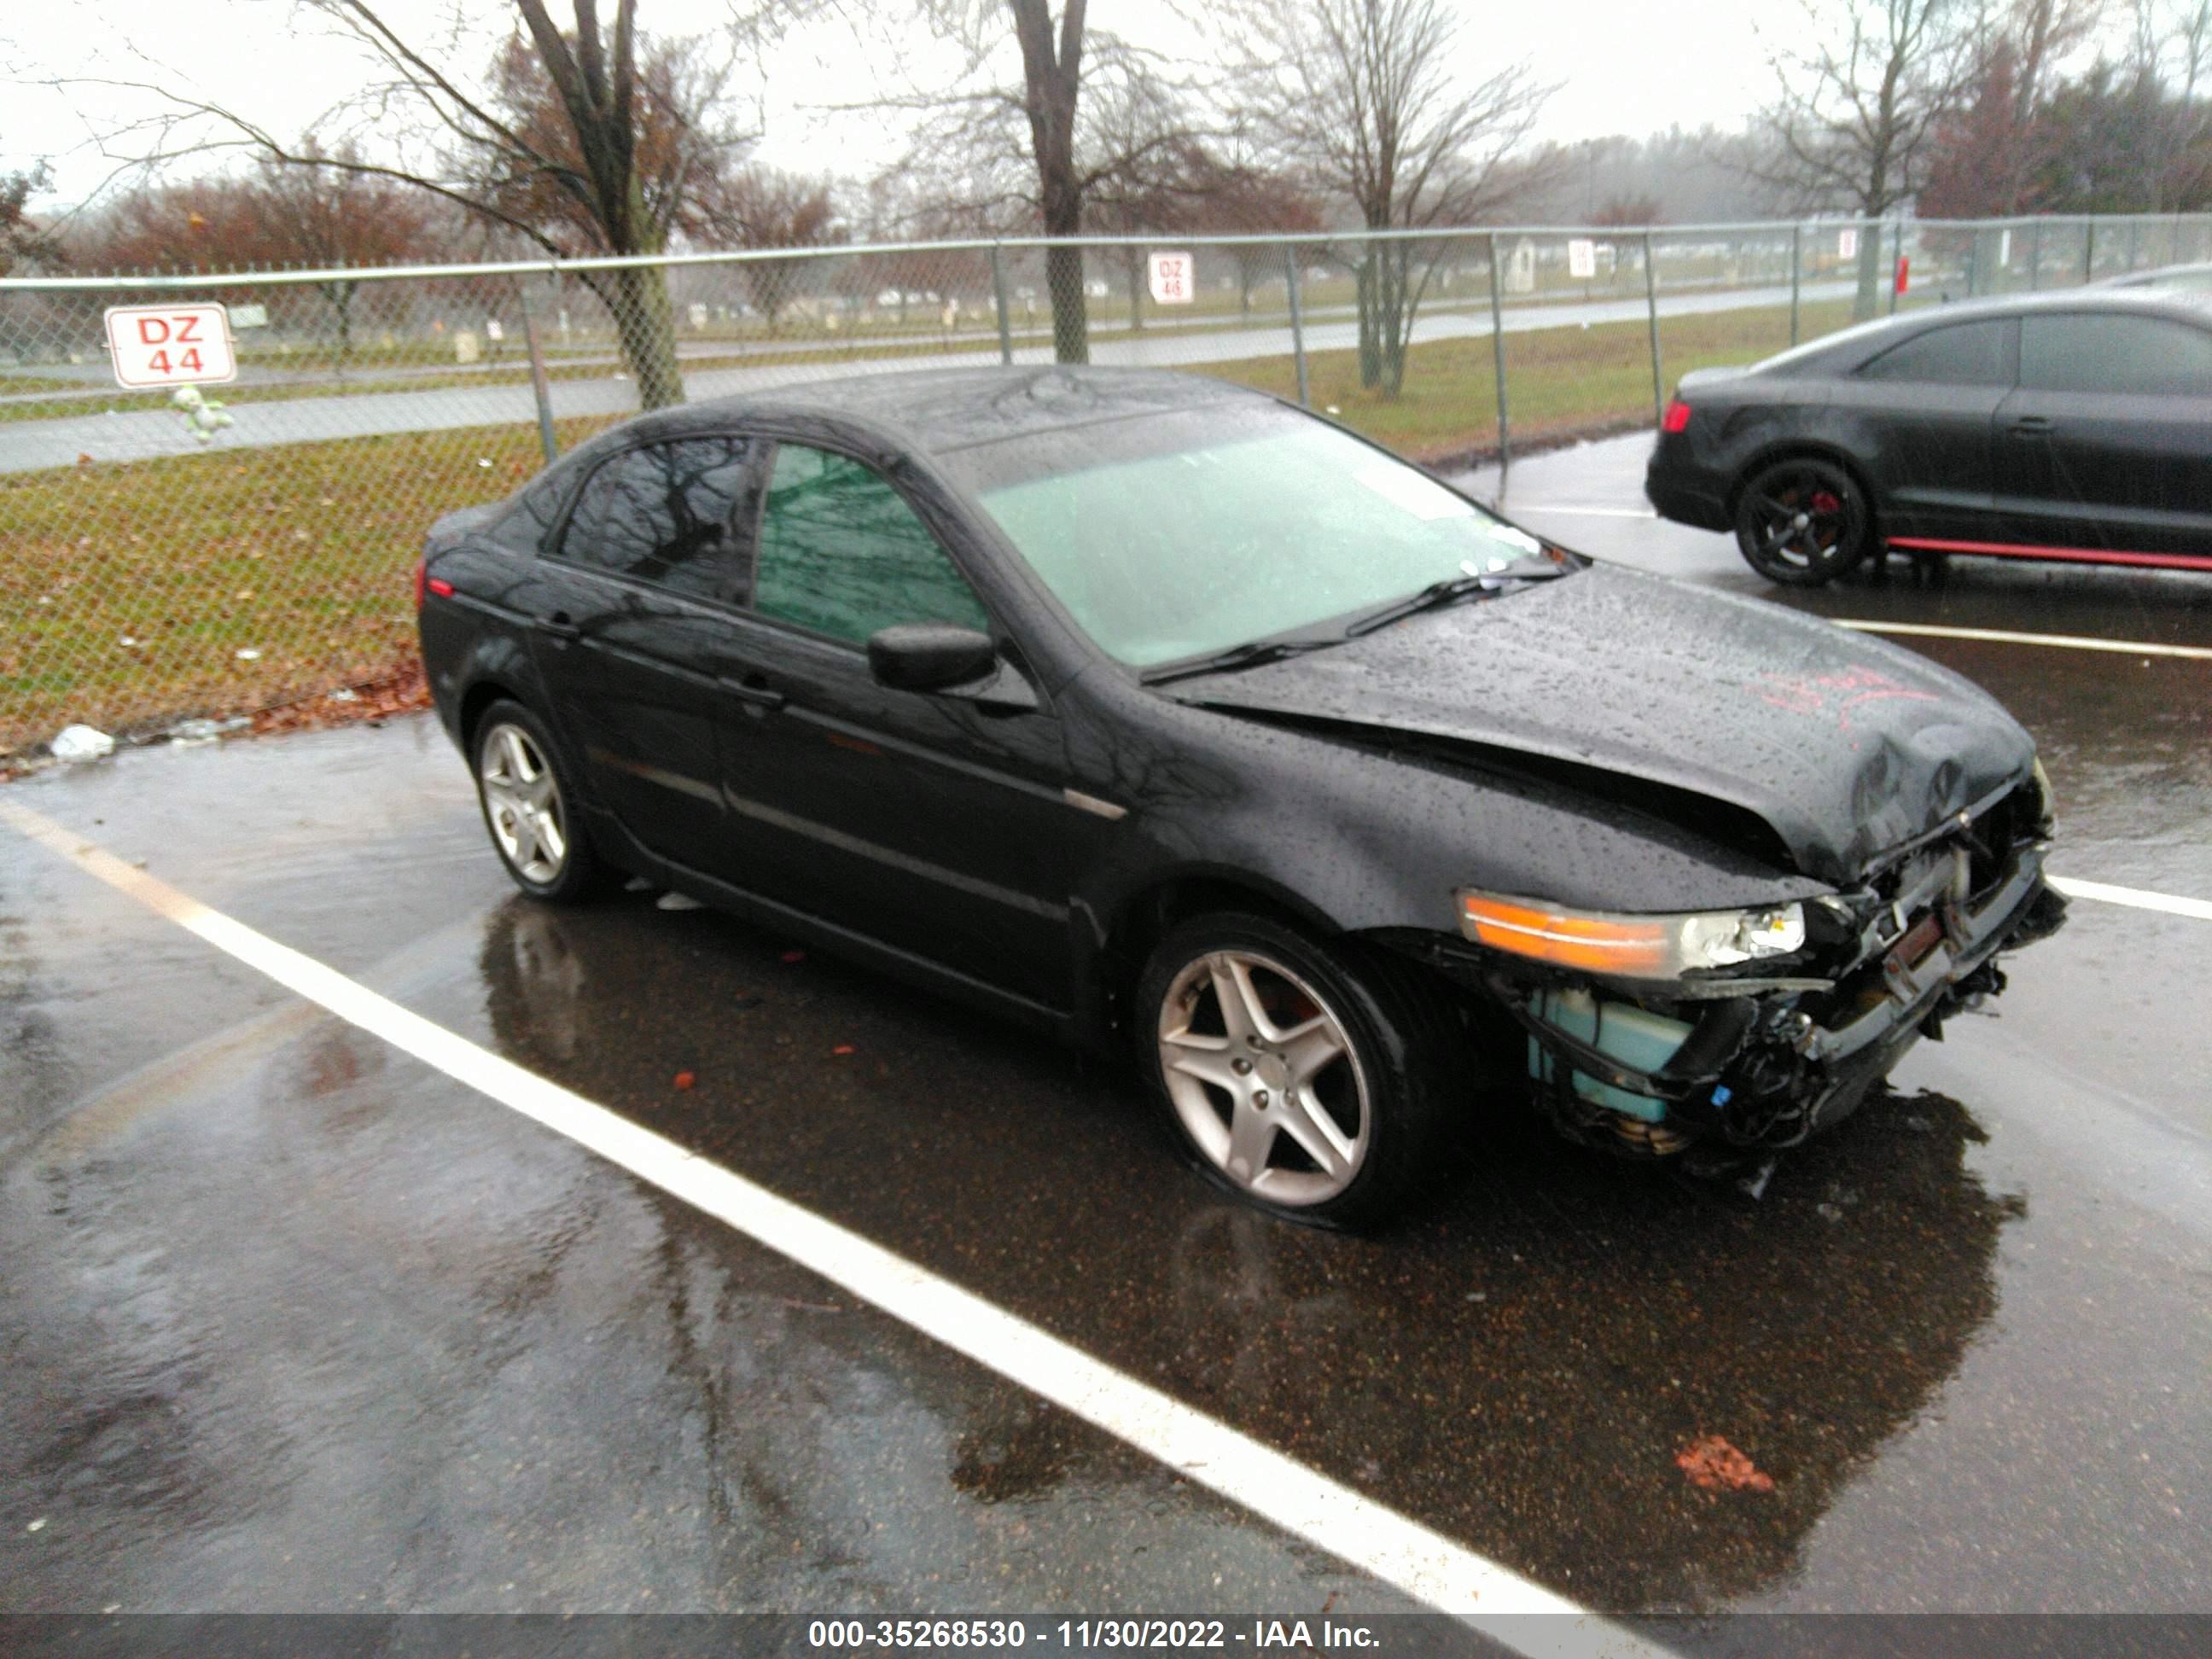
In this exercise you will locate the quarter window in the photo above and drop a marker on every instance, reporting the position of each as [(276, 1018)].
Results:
[(842, 553), (2145, 356), (1963, 354), (661, 513), (522, 527)]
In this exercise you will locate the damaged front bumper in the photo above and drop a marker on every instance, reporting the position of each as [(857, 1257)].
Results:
[(1758, 1060)]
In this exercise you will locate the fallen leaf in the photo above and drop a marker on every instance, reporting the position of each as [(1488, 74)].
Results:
[(685, 1079), (795, 955), (1712, 1463), (844, 1049)]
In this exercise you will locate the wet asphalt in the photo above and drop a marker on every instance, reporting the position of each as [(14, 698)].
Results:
[(293, 1323)]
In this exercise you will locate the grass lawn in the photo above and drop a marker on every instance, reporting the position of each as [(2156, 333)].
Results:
[(130, 588)]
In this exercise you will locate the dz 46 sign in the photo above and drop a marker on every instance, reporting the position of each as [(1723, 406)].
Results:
[(1172, 281), (171, 345)]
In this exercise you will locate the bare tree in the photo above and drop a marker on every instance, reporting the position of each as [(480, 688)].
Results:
[(586, 139), (761, 208), (1040, 121), (19, 239), (1368, 100), (1863, 85)]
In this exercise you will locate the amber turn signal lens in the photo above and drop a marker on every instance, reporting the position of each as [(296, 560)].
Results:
[(1597, 945)]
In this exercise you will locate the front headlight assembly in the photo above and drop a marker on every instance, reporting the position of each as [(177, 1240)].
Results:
[(1659, 947)]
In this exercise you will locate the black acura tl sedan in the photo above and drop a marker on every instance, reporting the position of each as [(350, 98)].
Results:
[(2072, 425), (1166, 716)]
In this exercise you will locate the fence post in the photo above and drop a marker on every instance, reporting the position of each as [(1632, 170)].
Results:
[(1797, 275), (1497, 368), (2035, 256), (1651, 316), (1896, 252), (2134, 241), (998, 294), (1297, 321), (2089, 249), (539, 388)]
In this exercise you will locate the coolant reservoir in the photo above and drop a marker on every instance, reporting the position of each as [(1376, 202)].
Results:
[(1637, 1038)]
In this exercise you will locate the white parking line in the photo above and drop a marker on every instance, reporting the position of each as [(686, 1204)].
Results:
[(2135, 897), (2003, 636), (1510, 509), (1421, 1562)]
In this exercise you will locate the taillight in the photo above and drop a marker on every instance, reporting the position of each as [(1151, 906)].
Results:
[(1677, 416)]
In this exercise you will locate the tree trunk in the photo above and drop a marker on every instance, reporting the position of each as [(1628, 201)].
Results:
[(1390, 316), (1867, 302), (645, 322), (1071, 320), (1370, 349), (1133, 264)]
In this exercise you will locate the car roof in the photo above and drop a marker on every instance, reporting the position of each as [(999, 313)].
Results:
[(935, 410), (1861, 340)]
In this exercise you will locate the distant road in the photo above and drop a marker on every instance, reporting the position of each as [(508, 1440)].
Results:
[(138, 434)]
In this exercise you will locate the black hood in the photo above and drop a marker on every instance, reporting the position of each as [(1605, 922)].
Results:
[(1844, 746)]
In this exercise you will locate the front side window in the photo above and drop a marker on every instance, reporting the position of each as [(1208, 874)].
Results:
[(661, 513), (2143, 356), (1964, 354), (842, 553)]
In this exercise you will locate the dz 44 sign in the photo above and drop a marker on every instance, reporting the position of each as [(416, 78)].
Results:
[(171, 345)]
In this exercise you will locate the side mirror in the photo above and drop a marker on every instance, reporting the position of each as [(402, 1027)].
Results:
[(929, 656)]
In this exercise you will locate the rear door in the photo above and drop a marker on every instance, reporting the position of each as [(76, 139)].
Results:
[(2107, 445), (933, 822), (1928, 405), (634, 619)]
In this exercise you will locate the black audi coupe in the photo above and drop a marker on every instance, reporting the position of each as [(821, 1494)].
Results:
[(2073, 426), (1164, 715)]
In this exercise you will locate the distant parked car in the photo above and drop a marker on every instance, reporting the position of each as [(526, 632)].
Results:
[(2195, 279), (1161, 715), (2071, 426)]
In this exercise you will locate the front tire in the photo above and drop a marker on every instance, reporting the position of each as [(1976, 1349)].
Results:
[(1308, 1080), (1803, 522), (529, 808)]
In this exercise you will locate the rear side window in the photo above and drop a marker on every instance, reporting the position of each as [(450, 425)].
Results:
[(842, 553), (1964, 354), (2144, 355), (662, 515)]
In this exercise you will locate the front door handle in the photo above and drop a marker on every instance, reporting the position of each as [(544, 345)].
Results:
[(559, 626), (753, 690), (2031, 426)]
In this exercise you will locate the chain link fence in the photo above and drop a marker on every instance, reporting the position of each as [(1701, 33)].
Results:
[(172, 555)]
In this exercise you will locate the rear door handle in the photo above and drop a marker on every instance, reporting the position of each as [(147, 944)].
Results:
[(558, 626), (754, 691), (2031, 426)]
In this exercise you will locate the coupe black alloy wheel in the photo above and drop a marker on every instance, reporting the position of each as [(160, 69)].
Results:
[(1803, 522)]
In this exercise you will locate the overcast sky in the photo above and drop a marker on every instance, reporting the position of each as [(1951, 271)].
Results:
[(1623, 66)]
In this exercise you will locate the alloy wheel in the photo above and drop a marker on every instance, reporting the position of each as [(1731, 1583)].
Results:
[(522, 802), (1265, 1079)]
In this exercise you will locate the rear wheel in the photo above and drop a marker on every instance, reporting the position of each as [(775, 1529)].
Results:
[(528, 807), (1308, 1080), (1803, 522)]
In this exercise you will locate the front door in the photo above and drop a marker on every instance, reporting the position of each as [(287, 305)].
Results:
[(2107, 446), (933, 822)]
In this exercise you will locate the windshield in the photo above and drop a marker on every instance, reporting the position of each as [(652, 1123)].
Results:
[(1168, 536)]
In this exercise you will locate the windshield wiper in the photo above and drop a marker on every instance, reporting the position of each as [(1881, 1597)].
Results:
[(1251, 654), (1451, 590)]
